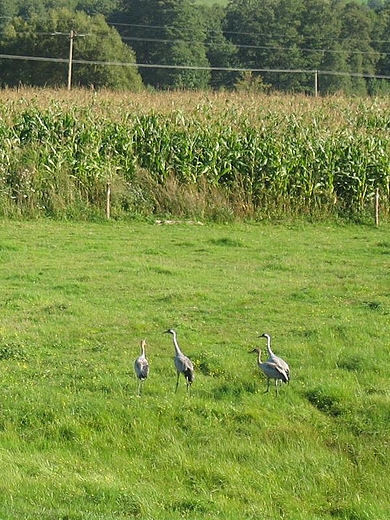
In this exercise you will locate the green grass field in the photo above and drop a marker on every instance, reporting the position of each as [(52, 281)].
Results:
[(77, 444)]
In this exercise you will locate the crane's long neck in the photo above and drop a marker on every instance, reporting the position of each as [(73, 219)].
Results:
[(143, 348), (259, 358), (176, 344), (269, 345)]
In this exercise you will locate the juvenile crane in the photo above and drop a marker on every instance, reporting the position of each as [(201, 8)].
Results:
[(271, 370), (182, 363), (275, 359), (141, 367)]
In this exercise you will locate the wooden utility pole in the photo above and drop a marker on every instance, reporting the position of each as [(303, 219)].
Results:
[(71, 38), (316, 83)]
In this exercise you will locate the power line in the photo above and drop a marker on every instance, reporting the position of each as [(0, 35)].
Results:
[(209, 44), (144, 26), (262, 47), (191, 67), (224, 32), (32, 58), (241, 33)]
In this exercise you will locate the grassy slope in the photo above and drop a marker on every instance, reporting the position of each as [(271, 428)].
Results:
[(75, 441)]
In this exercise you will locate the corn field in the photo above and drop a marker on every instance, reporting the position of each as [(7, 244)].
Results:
[(191, 155)]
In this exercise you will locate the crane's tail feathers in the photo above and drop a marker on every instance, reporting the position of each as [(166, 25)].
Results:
[(189, 375)]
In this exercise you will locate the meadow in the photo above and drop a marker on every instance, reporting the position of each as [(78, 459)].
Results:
[(78, 444)]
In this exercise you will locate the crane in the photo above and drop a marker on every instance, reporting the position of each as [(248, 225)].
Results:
[(141, 367), (271, 370), (182, 363), (276, 359)]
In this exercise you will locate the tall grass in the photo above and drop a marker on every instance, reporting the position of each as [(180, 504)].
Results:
[(248, 156)]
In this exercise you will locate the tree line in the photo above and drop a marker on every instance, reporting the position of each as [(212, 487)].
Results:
[(182, 44)]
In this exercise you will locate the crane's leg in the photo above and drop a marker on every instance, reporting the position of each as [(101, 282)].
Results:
[(267, 386), (276, 386), (138, 388), (177, 381)]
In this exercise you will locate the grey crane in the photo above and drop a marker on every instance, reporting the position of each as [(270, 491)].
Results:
[(182, 363), (271, 370), (141, 367), (276, 359)]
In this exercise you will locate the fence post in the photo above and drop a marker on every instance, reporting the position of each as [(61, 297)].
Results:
[(377, 207), (108, 205)]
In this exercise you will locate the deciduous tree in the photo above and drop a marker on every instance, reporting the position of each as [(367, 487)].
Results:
[(48, 38), (169, 34)]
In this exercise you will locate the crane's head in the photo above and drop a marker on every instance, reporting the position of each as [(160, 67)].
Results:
[(265, 335), (257, 350), (169, 331)]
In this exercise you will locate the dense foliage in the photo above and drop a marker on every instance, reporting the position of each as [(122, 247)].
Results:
[(231, 155), (182, 44), (50, 36)]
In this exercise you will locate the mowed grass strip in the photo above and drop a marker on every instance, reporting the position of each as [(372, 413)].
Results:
[(77, 443)]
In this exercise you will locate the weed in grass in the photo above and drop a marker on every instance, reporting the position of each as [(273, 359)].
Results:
[(12, 351), (209, 364)]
